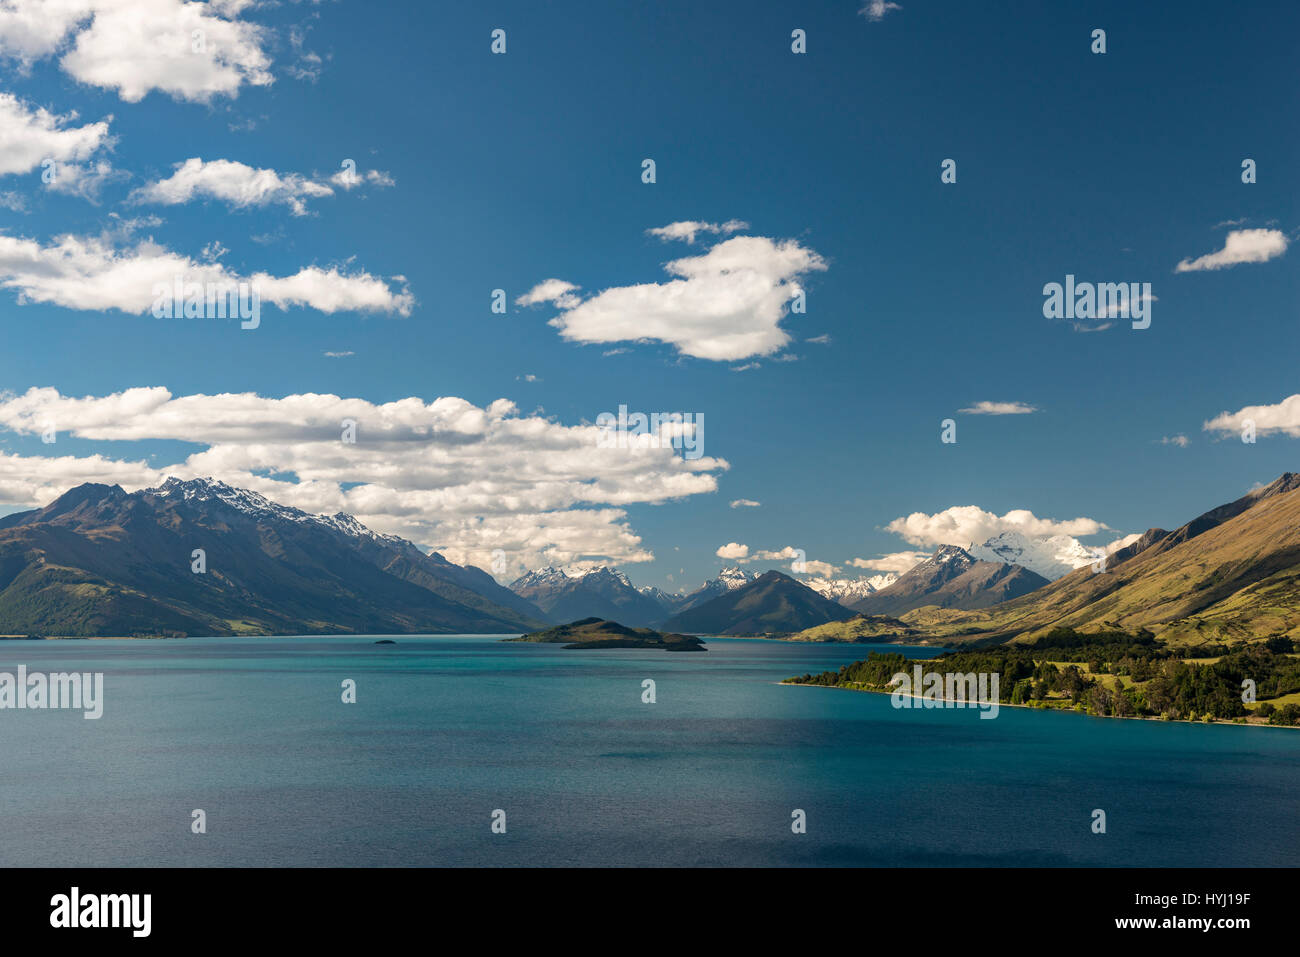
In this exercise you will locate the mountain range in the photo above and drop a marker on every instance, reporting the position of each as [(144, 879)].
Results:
[(773, 603), (604, 593), (951, 578), (200, 557), (204, 558), (1230, 574)]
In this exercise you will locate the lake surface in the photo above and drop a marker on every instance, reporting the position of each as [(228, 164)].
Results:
[(446, 730)]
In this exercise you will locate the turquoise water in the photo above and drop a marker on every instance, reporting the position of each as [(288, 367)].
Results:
[(446, 730)]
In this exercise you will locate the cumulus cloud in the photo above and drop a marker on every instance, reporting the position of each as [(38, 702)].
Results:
[(999, 408), (1179, 440), (744, 503), (1241, 246), (725, 304), (687, 229), (231, 182), (463, 479), (801, 565), (94, 274), (1281, 418), (556, 291), (29, 136), (190, 51), (1123, 542), (964, 524), (893, 562)]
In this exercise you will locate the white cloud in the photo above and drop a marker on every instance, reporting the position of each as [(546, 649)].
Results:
[(31, 135), (190, 51), (555, 291), (1119, 543), (963, 524), (999, 408), (448, 474), (91, 273), (1281, 418), (875, 10), (339, 355), (231, 182), (350, 179), (1179, 440), (893, 562), (745, 503), (687, 229), (725, 304), (1241, 246), (733, 551)]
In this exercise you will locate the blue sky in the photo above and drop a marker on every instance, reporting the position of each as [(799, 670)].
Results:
[(501, 171)]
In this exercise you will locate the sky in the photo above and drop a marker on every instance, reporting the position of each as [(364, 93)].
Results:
[(800, 281)]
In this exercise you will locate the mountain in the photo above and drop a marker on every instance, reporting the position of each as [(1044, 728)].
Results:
[(100, 561), (848, 590), (602, 593), (951, 578), (771, 604), (1049, 557), (668, 602), (1231, 574), (728, 580), (861, 628)]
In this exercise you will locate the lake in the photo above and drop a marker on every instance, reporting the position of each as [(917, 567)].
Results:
[(447, 730)]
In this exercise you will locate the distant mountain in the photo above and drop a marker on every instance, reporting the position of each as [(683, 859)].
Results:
[(951, 578), (603, 593), (846, 591), (728, 580), (1231, 574), (667, 601), (771, 604), (100, 561), (1049, 557)]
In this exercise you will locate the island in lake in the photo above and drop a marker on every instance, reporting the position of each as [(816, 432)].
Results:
[(603, 633)]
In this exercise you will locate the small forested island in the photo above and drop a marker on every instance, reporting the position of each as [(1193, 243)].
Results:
[(603, 633), (1111, 674)]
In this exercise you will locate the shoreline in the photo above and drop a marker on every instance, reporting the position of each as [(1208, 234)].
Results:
[(1247, 723)]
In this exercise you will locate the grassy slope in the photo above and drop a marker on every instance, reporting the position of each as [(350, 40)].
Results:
[(1238, 581)]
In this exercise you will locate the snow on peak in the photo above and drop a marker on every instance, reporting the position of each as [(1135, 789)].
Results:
[(258, 506), (542, 576), (848, 590), (733, 577), (1050, 557)]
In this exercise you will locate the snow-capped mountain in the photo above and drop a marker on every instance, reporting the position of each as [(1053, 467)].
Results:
[(668, 600), (203, 557), (602, 592), (848, 590), (728, 580), (256, 506), (951, 578), (1049, 557)]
